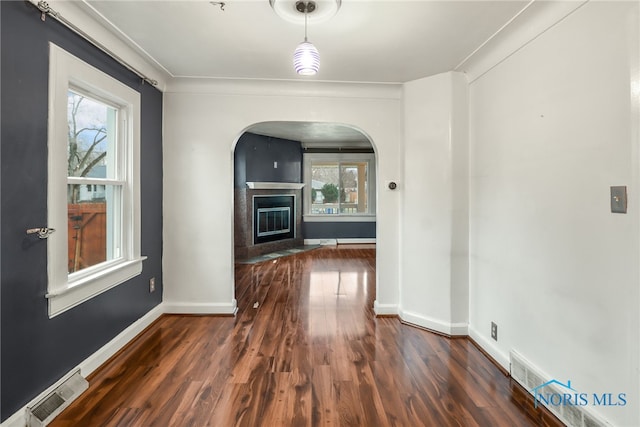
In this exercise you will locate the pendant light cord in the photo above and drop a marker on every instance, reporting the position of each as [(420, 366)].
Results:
[(306, 10)]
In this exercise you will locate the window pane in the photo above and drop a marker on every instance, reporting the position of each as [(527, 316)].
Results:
[(92, 133), (325, 188), (94, 228), (353, 195)]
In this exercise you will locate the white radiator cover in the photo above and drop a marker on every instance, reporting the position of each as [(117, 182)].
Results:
[(529, 376)]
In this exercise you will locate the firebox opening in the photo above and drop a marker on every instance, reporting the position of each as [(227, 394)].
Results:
[(273, 218)]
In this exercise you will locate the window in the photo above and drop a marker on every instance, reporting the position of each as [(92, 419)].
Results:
[(339, 187), (94, 220), (93, 191)]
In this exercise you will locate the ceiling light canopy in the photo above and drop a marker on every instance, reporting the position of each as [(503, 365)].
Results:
[(288, 10)]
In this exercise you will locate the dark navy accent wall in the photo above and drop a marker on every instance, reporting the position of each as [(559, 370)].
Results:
[(35, 350), (254, 157), (339, 230)]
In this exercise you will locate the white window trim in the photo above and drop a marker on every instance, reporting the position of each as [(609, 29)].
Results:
[(308, 158), (65, 70)]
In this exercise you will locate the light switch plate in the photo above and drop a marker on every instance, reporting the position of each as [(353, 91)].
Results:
[(619, 199)]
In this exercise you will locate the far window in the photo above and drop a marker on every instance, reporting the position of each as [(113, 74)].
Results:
[(339, 186)]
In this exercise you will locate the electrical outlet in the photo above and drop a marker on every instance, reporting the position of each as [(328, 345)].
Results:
[(494, 331), (152, 284)]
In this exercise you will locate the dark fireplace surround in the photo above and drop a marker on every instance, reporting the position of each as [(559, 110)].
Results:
[(261, 218)]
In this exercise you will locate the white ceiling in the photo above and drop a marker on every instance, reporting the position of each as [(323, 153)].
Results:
[(314, 134), (366, 41)]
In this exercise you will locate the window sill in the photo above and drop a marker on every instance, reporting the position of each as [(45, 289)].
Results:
[(338, 218), (92, 285)]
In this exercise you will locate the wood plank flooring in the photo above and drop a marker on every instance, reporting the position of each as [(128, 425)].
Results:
[(311, 353)]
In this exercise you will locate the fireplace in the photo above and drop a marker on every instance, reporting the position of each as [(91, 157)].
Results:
[(273, 218), (267, 218)]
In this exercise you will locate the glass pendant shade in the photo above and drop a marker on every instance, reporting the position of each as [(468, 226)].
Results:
[(306, 59)]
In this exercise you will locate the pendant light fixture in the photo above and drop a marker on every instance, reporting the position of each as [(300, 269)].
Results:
[(306, 59)]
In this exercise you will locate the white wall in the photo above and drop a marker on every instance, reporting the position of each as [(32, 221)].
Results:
[(552, 127), (203, 119), (434, 291)]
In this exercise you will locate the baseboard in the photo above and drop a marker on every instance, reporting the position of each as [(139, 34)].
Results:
[(19, 419), (228, 309), (340, 241), (385, 309), (334, 242), (92, 362), (323, 242), (96, 360), (362, 241), (446, 328), (490, 348)]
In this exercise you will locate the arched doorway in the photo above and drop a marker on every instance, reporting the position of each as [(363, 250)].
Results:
[(302, 183), (201, 133)]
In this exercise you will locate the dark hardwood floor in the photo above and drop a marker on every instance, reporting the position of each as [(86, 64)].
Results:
[(311, 353)]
